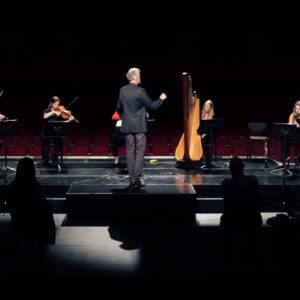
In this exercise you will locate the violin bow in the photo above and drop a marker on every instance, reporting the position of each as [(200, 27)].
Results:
[(75, 99)]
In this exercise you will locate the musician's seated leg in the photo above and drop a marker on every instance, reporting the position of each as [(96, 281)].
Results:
[(45, 145), (115, 145)]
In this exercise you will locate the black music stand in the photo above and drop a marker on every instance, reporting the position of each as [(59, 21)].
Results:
[(5, 126), (208, 126), (285, 133), (59, 129)]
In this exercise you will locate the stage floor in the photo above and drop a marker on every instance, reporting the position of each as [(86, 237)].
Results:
[(158, 171)]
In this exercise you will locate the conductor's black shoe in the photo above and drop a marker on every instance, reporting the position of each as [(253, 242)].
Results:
[(140, 183), (124, 171), (131, 187), (116, 165)]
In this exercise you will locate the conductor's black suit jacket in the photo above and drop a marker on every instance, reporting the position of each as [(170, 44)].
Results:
[(132, 106)]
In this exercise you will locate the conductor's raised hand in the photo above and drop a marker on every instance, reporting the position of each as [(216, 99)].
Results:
[(163, 96), (2, 117)]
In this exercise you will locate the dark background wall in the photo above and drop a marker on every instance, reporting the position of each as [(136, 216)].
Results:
[(250, 75)]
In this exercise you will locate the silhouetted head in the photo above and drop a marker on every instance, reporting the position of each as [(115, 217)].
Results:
[(25, 170), (236, 166)]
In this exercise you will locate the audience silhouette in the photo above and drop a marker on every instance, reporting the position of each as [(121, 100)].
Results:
[(32, 221), (241, 221)]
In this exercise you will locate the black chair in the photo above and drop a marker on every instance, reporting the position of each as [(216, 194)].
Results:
[(257, 133)]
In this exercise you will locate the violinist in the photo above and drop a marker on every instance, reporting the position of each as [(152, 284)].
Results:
[(54, 112)]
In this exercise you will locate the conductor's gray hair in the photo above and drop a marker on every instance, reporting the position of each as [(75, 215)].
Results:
[(132, 73)]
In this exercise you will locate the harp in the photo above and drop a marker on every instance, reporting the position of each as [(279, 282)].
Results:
[(189, 148)]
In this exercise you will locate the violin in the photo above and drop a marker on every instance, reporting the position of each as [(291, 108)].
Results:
[(65, 114)]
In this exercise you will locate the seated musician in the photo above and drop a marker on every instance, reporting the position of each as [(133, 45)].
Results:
[(115, 137), (294, 118), (51, 113), (207, 113)]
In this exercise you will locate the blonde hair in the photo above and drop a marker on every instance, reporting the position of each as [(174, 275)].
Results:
[(211, 112), (297, 103)]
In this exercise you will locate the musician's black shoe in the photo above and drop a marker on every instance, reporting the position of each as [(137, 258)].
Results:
[(140, 183), (45, 159), (45, 162), (54, 159), (278, 167)]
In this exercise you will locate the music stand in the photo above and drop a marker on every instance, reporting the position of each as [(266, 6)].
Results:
[(207, 126), (59, 133), (285, 133), (5, 126)]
